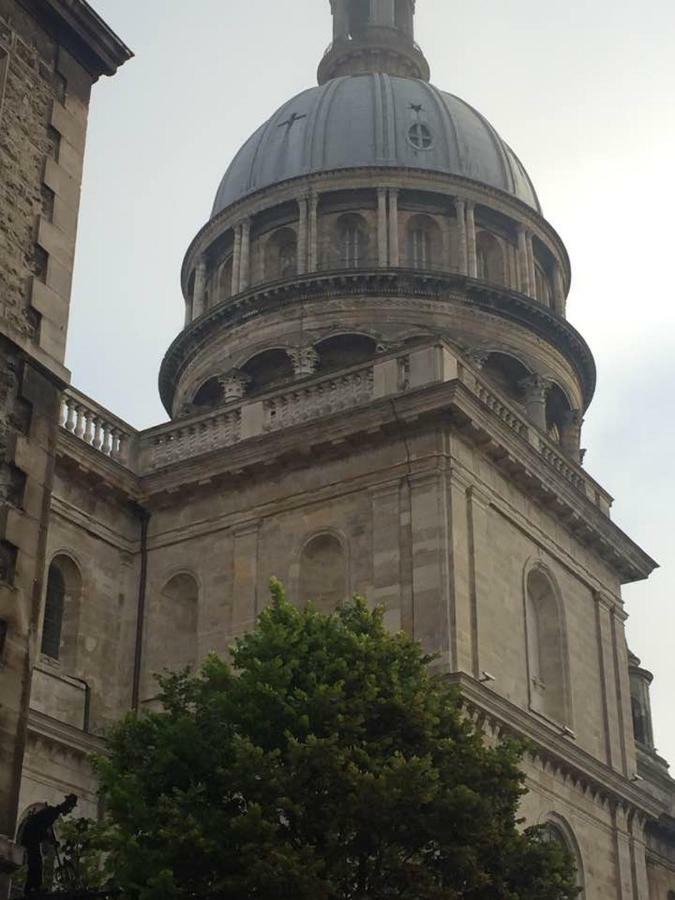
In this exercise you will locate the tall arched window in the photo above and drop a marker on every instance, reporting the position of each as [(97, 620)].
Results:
[(490, 257), (546, 648), (225, 280), (557, 831), (62, 608), (281, 256), (423, 242), (171, 629), (353, 241), (323, 573)]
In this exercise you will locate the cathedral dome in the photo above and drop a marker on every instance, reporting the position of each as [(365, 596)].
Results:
[(374, 119)]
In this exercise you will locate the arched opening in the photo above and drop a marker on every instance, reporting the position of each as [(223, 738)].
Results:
[(225, 280), (209, 395), (62, 611), (490, 258), (507, 373), (545, 648), (359, 17), (345, 350), (557, 413), (281, 255), (424, 240), (352, 241), (171, 629), (268, 369), (323, 573), (555, 831)]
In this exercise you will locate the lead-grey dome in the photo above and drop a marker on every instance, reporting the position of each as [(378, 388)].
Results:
[(374, 120)]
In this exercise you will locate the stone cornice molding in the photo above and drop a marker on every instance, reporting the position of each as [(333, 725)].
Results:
[(317, 286), (72, 739), (558, 753), (79, 27), (390, 177)]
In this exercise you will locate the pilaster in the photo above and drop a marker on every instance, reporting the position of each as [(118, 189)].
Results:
[(460, 210), (245, 540), (472, 254), (394, 252), (382, 237)]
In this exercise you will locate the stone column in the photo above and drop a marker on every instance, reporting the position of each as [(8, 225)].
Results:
[(460, 209), (472, 254), (536, 391), (559, 299), (523, 262), (305, 361), (234, 385), (313, 233), (199, 290), (302, 235), (236, 260), (531, 266), (382, 226), (394, 254), (245, 262), (570, 435), (244, 577), (387, 552)]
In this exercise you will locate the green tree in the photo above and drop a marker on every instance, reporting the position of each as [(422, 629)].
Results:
[(326, 762)]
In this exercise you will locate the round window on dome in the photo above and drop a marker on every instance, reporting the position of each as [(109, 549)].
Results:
[(420, 136)]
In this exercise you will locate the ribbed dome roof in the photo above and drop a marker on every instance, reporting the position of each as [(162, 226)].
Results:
[(374, 120)]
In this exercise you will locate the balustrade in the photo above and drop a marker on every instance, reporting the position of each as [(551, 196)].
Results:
[(93, 426), (193, 438), (319, 399)]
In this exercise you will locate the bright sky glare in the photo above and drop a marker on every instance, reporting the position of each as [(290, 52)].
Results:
[(581, 90)]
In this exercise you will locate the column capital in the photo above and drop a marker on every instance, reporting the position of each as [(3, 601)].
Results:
[(477, 356), (305, 360), (234, 384), (574, 418), (536, 387)]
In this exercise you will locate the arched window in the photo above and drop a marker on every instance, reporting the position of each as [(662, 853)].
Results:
[(171, 629), (225, 280), (546, 650), (323, 573), (542, 287), (62, 609), (507, 373), (490, 258), (359, 16), (556, 831), (267, 369), (353, 242), (281, 256), (344, 350), (423, 242)]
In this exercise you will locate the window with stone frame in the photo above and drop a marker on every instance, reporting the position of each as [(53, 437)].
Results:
[(546, 648), (353, 241), (60, 627), (54, 607)]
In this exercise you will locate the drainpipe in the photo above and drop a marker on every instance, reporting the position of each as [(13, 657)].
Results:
[(140, 615)]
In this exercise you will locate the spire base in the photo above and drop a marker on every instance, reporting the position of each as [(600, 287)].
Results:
[(380, 50)]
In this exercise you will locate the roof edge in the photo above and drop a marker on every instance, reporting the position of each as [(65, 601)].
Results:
[(85, 34)]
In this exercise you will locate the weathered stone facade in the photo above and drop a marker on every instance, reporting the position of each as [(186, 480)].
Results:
[(50, 54), (376, 390)]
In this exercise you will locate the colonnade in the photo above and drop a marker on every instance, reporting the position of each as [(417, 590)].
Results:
[(388, 249)]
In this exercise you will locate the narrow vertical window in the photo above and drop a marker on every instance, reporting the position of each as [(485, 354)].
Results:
[(54, 609), (353, 242), (545, 649)]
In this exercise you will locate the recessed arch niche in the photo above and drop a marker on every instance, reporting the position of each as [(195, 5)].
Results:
[(323, 572)]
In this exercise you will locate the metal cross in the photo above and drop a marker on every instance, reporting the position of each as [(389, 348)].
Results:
[(289, 123)]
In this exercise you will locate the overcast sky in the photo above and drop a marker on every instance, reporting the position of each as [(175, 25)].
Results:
[(582, 90)]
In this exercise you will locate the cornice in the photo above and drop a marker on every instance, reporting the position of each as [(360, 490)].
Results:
[(389, 176), (501, 719), (72, 739), (443, 287), (79, 27), (99, 469)]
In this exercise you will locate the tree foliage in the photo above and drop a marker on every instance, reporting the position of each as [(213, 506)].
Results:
[(326, 762)]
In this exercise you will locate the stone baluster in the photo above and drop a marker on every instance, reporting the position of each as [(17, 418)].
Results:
[(245, 262), (305, 361), (234, 385), (472, 252), (81, 422), (199, 290), (313, 232), (71, 415), (302, 235), (536, 390), (107, 438), (120, 451), (460, 210), (382, 226), (236, 260), (394, 252), (559, 298), (97, 442)]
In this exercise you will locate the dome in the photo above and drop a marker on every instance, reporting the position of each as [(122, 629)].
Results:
[(374, 120)]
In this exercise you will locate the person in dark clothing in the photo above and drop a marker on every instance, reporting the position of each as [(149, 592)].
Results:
[(37, 830)]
